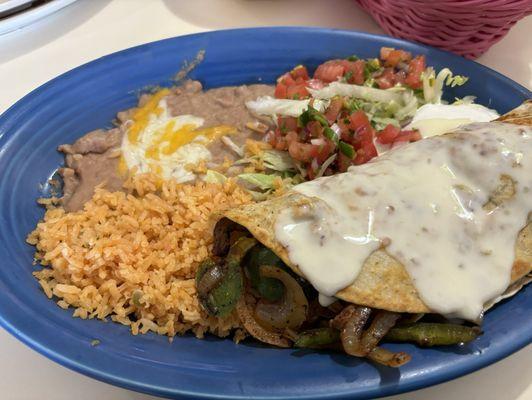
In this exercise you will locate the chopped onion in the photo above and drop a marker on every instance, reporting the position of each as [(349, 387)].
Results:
[(291, 311), (352, 331), (325, 165), (314, 165), (388, 358), (336, 129), (212, 277), (233, 146), (255, 329), (317, 142), (381, 324)]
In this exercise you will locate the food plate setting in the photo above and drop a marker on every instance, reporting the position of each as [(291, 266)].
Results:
[(173, 212)]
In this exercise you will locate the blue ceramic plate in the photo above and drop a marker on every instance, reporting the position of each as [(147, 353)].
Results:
[(88, 98)]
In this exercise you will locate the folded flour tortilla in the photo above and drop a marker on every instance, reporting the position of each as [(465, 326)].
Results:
[(383, 282)]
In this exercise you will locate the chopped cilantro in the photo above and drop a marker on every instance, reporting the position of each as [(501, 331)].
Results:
[(354, 105), (348, 75), (372, 65)]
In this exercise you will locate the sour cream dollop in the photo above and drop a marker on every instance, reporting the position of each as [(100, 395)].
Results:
[(436, 119)]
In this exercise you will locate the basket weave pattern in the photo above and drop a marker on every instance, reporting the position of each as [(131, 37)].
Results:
[(465, 27)]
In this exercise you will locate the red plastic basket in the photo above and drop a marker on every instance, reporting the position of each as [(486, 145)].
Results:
[(465, 27)]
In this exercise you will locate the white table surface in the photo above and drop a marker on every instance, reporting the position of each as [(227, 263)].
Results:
[(92, 28)]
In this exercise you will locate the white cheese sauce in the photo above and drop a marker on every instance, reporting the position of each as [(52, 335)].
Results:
[(424, 204)]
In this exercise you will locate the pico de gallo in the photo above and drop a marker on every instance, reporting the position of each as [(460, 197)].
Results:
[(347, 112), (343, 134)]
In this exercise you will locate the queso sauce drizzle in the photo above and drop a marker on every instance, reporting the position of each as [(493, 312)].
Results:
[(425, 203)]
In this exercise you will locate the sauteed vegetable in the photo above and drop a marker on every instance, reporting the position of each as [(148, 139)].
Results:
[(247, 278)]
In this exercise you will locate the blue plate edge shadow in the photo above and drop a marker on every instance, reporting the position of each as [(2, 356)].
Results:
[(27, 100)]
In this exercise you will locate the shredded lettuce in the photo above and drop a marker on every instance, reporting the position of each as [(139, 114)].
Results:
[(464, 100), (278, 160), (433, 84), (362, 92), (381, 123), (409, 109), (269, 106), (456, 80), (259, 196), (260, 181), (212, 176), (370, 68)]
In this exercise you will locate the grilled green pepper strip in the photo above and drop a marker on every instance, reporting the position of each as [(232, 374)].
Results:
[(219, 284), (268, 288), (433, 334), (317, 338)]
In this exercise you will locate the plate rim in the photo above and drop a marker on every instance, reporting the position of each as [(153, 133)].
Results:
[(17, 109), (28, 16)]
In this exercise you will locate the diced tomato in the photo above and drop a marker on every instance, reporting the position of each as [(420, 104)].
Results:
[(385, 52), (415, 68), (388, 134), (281, 144), (363, 135), (355, 70), (287, 124), (387, 79), (270, 138), (358, 119), (325, 151), (408, 136), (331, 113), (297, 91), (394, 57), (330, 71), (300, 72), (311, 173), (315, 129), (366, 153), (303, 151), (291, 136), (315, 84), (281, 91), (400, 77), (363, 130), (292, 84), (345, 133), (286, 79), (276, 140)]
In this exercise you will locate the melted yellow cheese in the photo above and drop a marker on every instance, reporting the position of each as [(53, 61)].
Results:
[(122, 166), (187, 134), (163, 144), (170, 140), (141, 115)]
